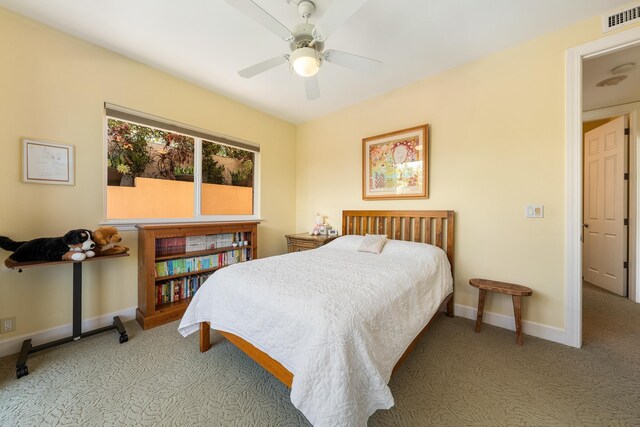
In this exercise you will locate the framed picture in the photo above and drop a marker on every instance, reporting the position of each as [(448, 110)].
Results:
[(333, 232), (396, 165), (47, 163)]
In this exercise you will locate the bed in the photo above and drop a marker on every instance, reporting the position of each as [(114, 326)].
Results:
[(341, 320)]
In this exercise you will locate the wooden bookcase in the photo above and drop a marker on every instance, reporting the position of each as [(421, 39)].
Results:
[(173, 244)]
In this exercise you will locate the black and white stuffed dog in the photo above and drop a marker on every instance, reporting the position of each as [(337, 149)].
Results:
[(76, 245)]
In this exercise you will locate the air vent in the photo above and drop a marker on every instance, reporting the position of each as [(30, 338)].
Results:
[(620, 19)]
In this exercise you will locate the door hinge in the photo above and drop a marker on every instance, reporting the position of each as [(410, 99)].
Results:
[(625, 264), (626, 221), (626, 176), (627, 131)]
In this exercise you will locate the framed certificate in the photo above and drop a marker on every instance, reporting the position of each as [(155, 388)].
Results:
[(47, 163)]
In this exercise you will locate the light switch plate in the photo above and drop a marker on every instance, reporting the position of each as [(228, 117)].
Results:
[(534, 211)]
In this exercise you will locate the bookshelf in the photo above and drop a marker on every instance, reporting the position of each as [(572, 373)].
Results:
[(174, 260)]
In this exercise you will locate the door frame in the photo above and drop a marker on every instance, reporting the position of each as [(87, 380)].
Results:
[(573, 175)]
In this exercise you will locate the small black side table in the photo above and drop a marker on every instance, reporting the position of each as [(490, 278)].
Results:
[(27, 348)]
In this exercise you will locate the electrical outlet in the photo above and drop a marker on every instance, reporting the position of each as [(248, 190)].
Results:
[(8, 324)]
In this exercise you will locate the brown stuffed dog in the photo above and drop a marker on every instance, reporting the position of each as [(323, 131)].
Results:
[(106, 239)]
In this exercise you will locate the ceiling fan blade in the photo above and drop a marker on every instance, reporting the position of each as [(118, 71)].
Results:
[(263, 66), (337, 14), (312, 87), (261, 16), (350, 60)]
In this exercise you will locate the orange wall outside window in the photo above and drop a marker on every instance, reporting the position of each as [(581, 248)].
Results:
[(159, 198)]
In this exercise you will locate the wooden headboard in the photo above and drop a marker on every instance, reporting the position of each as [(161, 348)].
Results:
[(433, 227)]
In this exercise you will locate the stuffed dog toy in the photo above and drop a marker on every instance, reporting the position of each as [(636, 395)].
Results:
[(106, 239), (76, 245)]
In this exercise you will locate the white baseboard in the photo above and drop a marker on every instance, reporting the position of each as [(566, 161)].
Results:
[(508, 322), (13, 345)]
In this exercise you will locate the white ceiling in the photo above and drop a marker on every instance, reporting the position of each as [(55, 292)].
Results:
[(207, 41), (599, 68)]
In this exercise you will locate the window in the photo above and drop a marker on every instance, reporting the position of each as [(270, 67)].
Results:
[(158, 171)]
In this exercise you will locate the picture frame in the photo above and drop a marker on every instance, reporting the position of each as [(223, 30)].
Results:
[(332, 233), (395, 165), (47, 162)]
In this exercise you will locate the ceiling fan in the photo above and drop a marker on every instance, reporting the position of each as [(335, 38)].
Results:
[(306, 41)]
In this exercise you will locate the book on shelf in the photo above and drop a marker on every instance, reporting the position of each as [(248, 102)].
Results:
[(184, 244), (179, 289), (170, 245), (209, 241), (194, 264), (196, 243)]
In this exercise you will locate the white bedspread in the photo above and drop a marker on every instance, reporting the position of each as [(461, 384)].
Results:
[(338, 319)]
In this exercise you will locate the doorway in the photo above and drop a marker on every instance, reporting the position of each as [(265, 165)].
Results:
[(574, 176)]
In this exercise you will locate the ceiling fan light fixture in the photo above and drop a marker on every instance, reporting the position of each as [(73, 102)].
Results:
[(305, 61)]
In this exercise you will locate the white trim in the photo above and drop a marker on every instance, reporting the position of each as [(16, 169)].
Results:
[(633, 110), (508, 322), (105, 161), (197, 178), (12, 345), (573, 202), (573, 175)]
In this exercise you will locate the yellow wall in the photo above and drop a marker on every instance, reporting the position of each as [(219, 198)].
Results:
[(53, 87), (497, 144)]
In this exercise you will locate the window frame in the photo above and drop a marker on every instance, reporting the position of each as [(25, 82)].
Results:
[(143, 119)]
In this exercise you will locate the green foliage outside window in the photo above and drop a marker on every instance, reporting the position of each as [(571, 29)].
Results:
[(176, 157), (244, 175), (127, 148), (140, 151), (212, 172)]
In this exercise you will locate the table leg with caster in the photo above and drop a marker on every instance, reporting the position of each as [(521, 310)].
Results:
[(21, 364), (121, 330)]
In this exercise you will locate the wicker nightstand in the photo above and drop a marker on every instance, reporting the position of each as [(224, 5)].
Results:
[(306, 241)]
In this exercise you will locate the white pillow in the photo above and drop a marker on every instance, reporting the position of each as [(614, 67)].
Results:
[(373, 243)]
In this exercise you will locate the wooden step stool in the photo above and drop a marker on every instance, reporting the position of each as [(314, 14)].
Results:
[(516, 292)]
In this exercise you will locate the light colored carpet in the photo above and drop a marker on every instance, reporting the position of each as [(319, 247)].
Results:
[(454, 377)]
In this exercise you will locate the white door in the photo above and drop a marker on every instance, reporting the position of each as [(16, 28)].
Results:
[(605, 209)]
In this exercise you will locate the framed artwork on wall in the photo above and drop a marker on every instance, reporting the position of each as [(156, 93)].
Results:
[(395, 165), (47, 163)]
